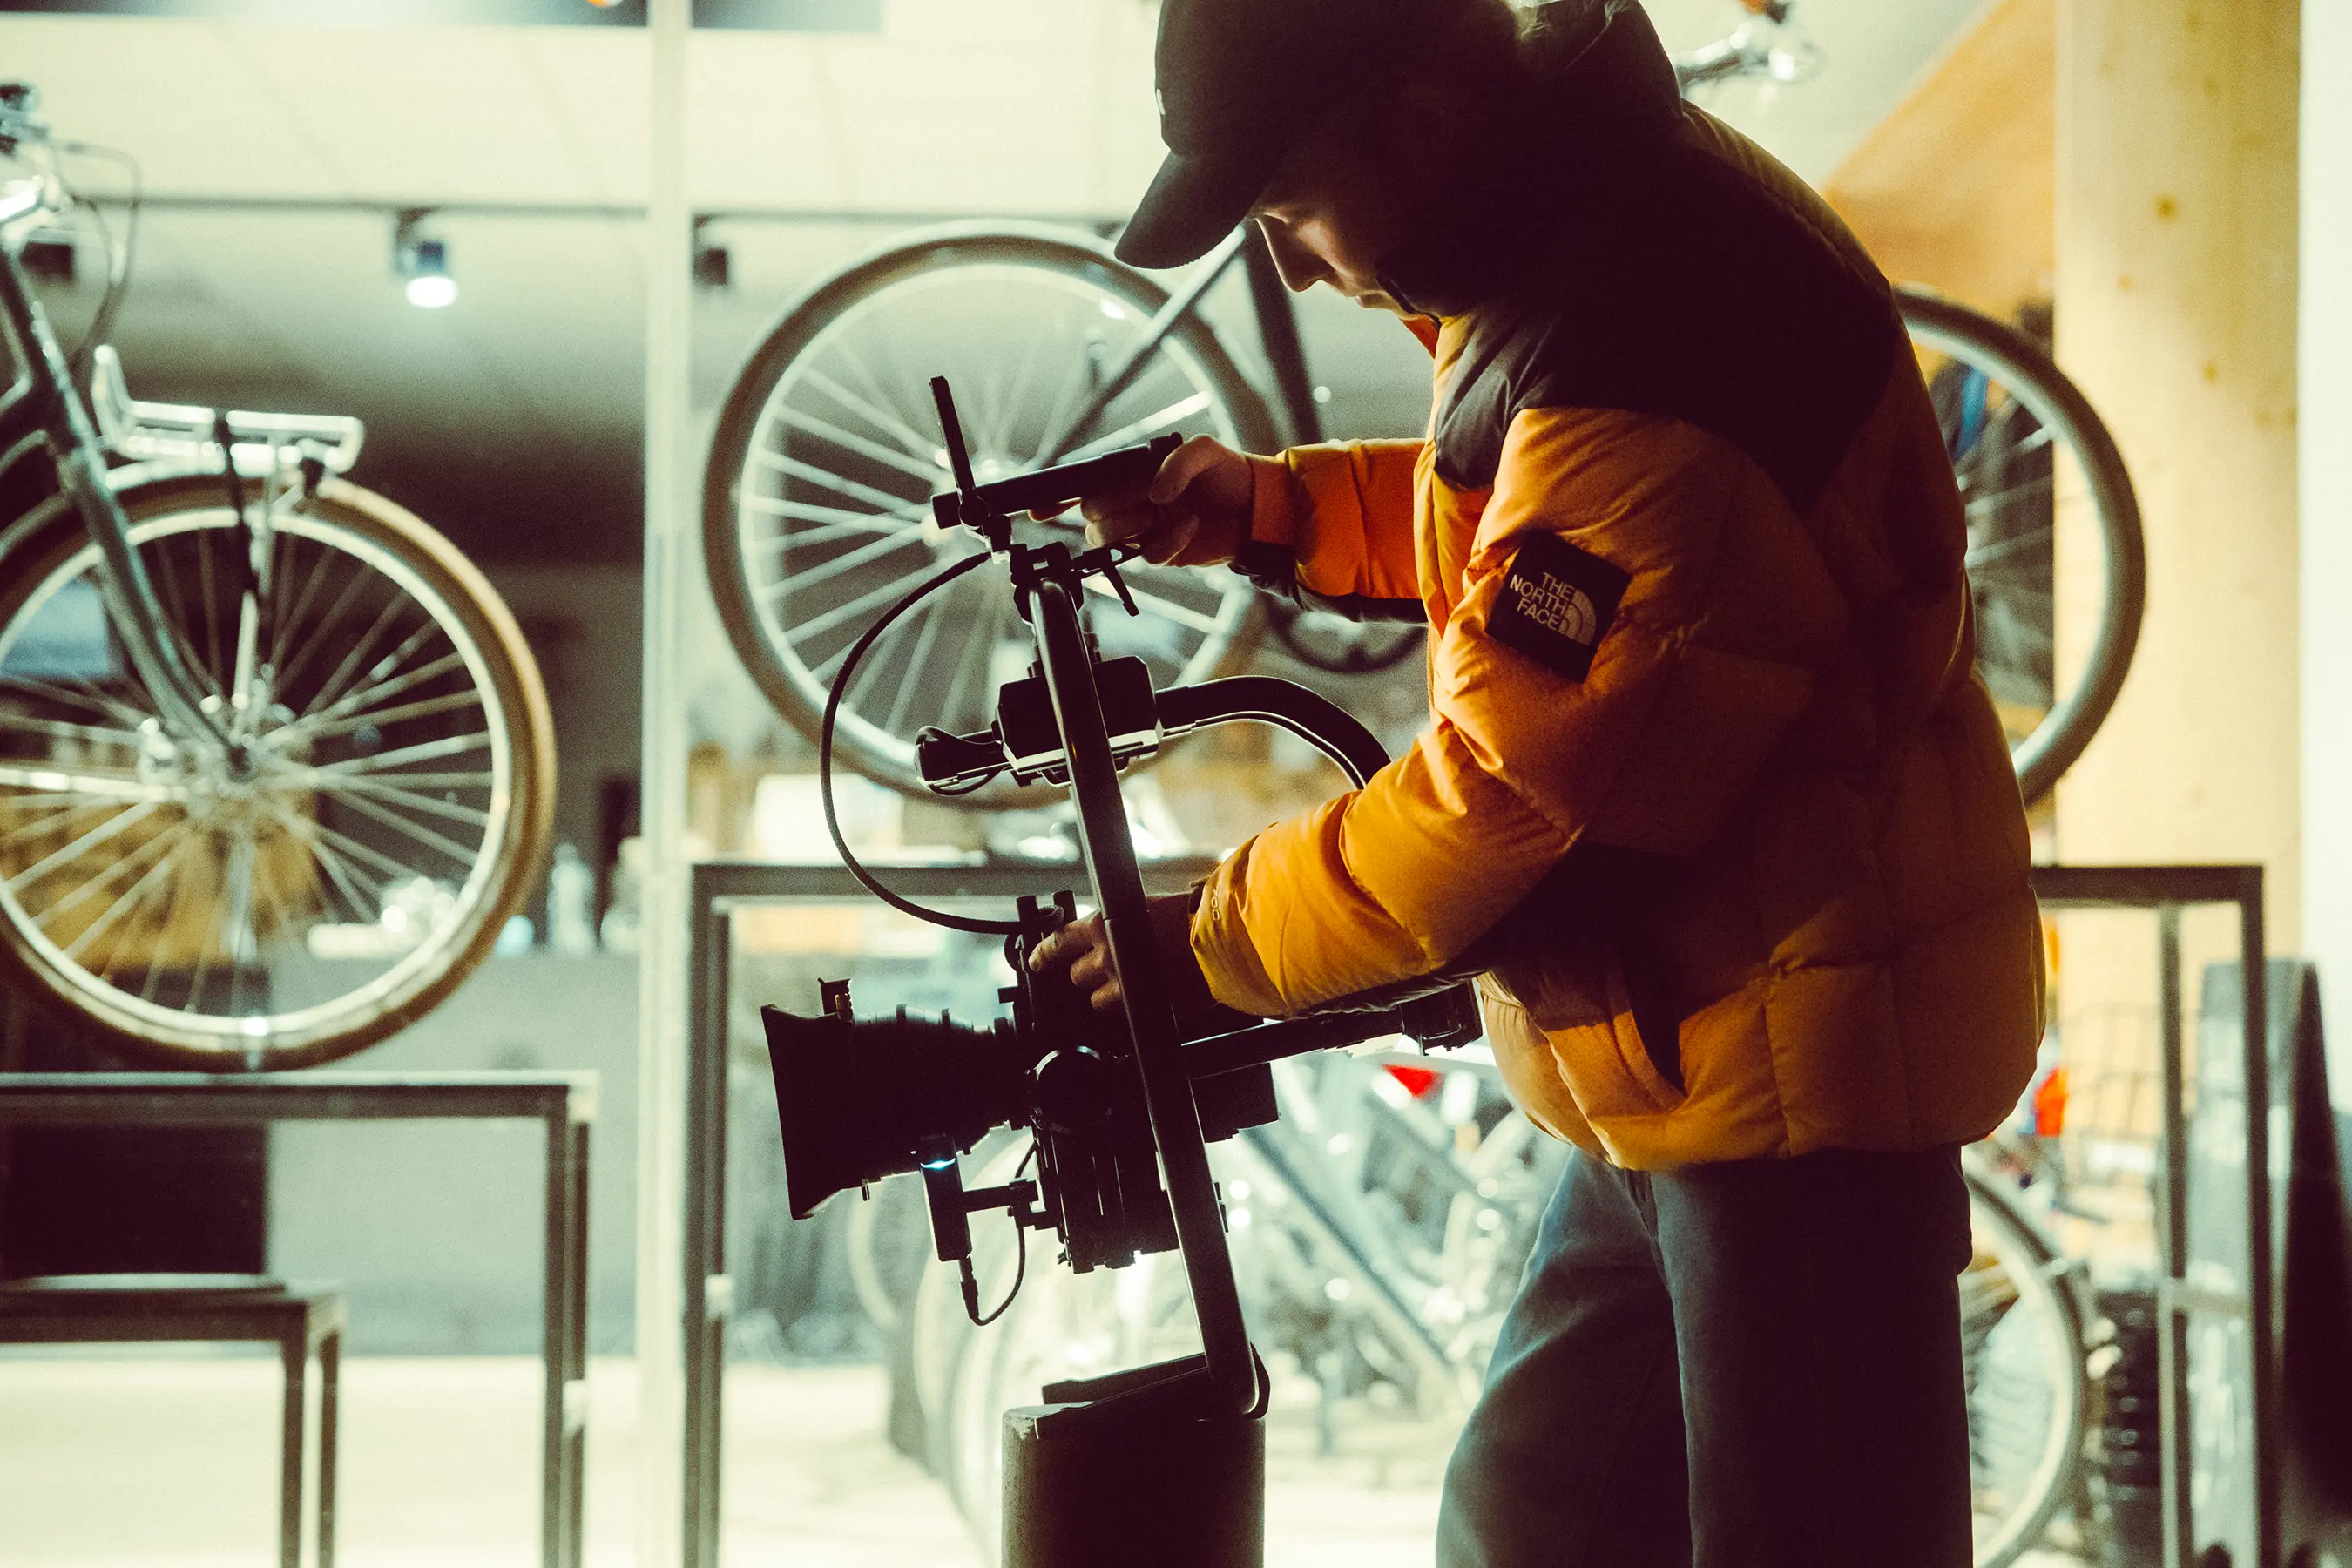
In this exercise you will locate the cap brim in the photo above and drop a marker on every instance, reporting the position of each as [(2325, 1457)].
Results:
[(1195, 200)]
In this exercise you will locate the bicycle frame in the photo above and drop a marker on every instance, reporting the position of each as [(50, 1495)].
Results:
[(44, 407)]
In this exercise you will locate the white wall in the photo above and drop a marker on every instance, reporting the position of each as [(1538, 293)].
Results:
[(2324, 354)]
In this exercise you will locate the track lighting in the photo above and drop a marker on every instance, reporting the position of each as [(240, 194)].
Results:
[(423, 263)]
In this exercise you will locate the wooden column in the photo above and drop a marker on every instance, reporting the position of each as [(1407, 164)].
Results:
[(2176, 313)]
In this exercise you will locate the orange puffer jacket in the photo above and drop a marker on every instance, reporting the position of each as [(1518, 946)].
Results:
[(1711, 793)]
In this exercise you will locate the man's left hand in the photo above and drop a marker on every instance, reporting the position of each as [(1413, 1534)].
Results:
[(1082, 948)]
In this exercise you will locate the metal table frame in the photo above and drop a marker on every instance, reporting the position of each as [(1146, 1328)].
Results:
[(300, 1320), (564, 1103), (718, 890), (2165, 890), (719, 886)]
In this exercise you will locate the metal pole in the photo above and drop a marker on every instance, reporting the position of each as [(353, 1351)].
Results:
[(2260, 1327), (661, 1058), (2172, 1237)]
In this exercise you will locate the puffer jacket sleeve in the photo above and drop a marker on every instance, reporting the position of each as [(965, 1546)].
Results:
[(1332, 526), (1726, 609)]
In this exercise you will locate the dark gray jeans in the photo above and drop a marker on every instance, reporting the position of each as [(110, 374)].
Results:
[(1746, 1365)]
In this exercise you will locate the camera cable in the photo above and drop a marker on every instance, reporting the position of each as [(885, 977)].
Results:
[(976, 925)]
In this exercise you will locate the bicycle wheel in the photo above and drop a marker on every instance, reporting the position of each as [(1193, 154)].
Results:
[(1337, 646), (2021, 1340), (2025, 446), (392, 815), (815, 514)]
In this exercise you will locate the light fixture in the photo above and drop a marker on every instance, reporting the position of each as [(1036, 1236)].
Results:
[(423, 263)]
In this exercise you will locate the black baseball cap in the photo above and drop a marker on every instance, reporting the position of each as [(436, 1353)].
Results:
[(1242, 83)]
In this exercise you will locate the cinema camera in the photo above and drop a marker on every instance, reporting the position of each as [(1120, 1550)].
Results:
[(1121, 1107)]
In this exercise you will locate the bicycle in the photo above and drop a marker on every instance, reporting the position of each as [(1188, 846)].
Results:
[(276, 764), (812, 495)]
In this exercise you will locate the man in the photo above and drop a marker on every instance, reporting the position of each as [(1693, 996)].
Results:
[(1711, 794)]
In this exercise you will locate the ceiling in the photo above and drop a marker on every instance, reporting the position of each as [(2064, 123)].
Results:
[(276, 155)]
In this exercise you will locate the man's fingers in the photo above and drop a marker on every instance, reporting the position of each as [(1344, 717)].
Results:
[(1091, 970), (1182, 466)]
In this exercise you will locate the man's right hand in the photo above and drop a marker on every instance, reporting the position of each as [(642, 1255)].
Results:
[(1194, 513)]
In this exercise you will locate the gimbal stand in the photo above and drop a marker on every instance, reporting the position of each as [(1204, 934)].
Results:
[(1161, 1464)]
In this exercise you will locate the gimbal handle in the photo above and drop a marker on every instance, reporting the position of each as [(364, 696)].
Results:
[(1108, 851)]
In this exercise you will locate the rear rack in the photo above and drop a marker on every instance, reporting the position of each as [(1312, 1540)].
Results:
[(183, 432)]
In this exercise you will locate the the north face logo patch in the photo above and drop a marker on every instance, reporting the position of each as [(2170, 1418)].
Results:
[(1556, 605)]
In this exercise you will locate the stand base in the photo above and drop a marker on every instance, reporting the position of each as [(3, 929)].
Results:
[(1133, 1479)]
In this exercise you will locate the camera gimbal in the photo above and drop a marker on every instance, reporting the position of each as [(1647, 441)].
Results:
[(1121, 1108)]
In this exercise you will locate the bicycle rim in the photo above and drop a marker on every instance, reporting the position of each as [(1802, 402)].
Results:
[(2022, 1348), (816, 514), (306, 903), (2030, 457)]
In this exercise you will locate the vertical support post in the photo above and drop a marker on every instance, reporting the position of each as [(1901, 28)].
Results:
[(2261, 1326), (294, 1357), (2172, 1237), (555, 1281), (661, 1099), (704, 1259)]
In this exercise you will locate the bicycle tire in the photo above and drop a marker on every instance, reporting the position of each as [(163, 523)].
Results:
[(1329, 642), (2015, 603), (365, 556), (1044, 269), (2035, 1334)]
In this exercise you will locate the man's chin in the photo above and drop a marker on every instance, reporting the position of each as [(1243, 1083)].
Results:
[(1374, 299)]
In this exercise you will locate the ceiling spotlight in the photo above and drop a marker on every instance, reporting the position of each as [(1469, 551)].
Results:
[(424, 263)]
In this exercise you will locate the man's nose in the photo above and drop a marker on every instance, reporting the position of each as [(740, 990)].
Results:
[(1299, 268)]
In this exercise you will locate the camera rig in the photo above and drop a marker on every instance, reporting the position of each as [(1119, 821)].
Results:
[(1121, 1107)]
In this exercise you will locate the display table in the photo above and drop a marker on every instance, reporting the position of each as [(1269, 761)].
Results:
[(564, 1103)]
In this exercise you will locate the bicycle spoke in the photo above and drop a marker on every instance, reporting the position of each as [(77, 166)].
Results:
[(339, 870), (1984, 555), (310, 723), (59, 730), (917, 444), (291, 617), (843, 521), (917, 661), (172, 890), (393, 870), (848, 561), (137, 894), (199, 539), (53, 785), (360, 802), (93, 701), (415, 800), (896, 589), (1140, 429), (982, 639), (889, 456), (841, 485), (113, 827), (354, 662), (1167, 609), (334, 615), (1000, 435), (423, 751), (98, 883), (423, 707)]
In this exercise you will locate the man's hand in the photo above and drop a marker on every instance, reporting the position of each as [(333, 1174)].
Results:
[(1197, 507), (1083, 950)]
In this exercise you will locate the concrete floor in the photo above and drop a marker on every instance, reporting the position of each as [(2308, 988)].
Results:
[(168, 1461)]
